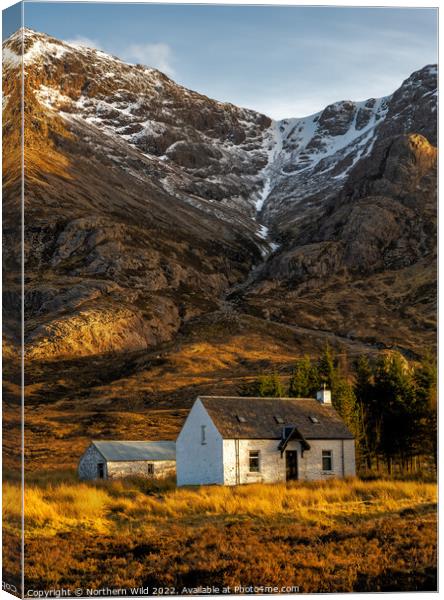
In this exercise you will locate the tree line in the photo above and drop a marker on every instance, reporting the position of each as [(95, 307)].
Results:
[(388, 404)]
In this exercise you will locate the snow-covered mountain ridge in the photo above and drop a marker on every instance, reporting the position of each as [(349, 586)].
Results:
[(210, 153), (318, 153)]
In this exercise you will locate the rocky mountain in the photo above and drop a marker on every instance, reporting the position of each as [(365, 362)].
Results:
[(119, 249), (151, 209), (357, 221)]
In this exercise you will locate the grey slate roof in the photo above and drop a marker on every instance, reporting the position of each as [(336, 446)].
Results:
[(128, 451), (260, 417)]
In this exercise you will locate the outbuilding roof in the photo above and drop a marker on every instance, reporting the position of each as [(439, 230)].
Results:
[(127, 451), (264, 418)]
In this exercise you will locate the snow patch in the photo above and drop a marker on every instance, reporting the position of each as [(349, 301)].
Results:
[(50, 97), (10, 58), (43, 48), (274, 149), (263, 232)]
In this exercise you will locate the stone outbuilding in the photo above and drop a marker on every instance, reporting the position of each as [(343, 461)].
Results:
[(114, 460), (236, 440)]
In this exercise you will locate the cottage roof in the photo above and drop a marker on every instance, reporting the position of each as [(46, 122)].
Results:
[(264, 418), (127, 451)]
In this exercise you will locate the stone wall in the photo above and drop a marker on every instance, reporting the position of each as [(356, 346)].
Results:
[(161, 469), (88, 469)]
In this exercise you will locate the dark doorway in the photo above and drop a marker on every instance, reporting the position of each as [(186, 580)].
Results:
[(291, 464), (100, 470)]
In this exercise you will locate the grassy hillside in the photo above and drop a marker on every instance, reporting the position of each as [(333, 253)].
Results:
[(147, 394), (342, 535)]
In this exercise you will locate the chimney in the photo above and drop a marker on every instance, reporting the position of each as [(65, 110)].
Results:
[(323, 396)]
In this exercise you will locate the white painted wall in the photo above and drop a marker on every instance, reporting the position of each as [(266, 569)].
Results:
[(272, 465), (199, 463), (349, 458), (310, 466)]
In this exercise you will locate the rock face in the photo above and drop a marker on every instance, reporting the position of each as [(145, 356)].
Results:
[(149, 206), (117, 255), (317, 154), (366, 267)]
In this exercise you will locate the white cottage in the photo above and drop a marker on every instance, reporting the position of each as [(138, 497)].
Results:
[(232, 440), (113, 460)]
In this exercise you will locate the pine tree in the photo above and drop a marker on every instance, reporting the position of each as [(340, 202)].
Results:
[(304, 379), (249, 388), (271, 386), (399, 417), (425, 378), (326, 368), (345, 403), (367, 412)]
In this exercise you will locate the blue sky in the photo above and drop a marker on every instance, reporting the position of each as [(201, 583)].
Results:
[(282, 61)]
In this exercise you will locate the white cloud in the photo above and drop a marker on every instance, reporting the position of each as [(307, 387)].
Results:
[(158, 56), (84, 42)]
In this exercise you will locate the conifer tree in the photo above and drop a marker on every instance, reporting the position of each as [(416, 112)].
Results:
[(249, 388), (344, 400), (271, 386), (367, 412), (394, 387), (326, 368), (425, 378), (304, 379)]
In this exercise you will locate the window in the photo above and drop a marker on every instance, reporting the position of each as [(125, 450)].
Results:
[(327, 460), (314, 419), (203, 435), (101, 470), (150, 469), (287, 431), (254, 461)]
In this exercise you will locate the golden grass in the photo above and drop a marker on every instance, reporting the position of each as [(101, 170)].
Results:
[(105, 507), (321, 501), (340, 535), (57, 508)]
